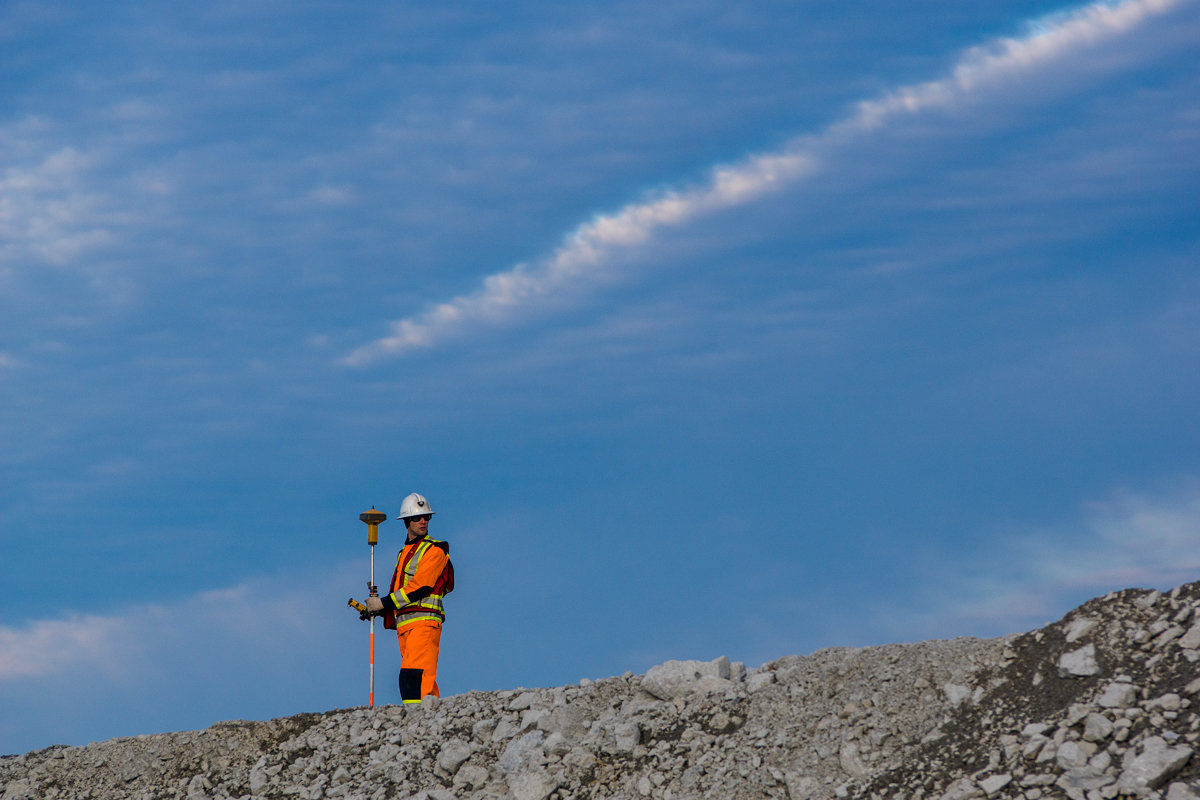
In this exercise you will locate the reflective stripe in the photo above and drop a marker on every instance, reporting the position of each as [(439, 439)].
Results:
[(414, 614), (430, 607)]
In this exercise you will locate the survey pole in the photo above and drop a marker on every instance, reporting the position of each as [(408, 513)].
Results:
[(372, 518)]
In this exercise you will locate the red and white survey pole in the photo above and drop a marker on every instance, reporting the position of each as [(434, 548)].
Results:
[(373, 518)]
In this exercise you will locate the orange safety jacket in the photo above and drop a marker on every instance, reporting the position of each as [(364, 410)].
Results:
[(420, 564)]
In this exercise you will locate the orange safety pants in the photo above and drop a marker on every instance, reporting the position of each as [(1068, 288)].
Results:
[(419, 645)]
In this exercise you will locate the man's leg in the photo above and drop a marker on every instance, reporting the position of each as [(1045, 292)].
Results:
[(419, 645)]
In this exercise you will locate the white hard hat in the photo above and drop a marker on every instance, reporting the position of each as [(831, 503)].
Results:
[(414, 505)]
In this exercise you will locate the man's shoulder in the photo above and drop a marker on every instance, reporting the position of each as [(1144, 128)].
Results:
[(440, 544)]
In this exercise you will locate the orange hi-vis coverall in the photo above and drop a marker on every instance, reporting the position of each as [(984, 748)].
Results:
[(417, 594)]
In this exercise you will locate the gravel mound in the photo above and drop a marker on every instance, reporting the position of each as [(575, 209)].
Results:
[(1096, 706)]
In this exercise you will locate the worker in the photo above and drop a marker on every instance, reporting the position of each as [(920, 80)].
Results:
[(413, 605)]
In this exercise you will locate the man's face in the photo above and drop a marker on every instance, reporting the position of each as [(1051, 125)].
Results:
[(418, 526)]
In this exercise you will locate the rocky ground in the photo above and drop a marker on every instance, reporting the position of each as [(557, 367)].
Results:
[(1100, 705)]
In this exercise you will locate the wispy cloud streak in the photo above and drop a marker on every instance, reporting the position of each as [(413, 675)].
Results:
[(981, 68), (589, 251)]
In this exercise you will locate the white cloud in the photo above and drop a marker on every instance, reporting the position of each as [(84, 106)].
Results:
[(243, 621), (1132, 538), (1028, 576), (589, 252), (49, 648), (45, 211)]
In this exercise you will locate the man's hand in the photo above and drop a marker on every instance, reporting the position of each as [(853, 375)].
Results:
[(374, 606)]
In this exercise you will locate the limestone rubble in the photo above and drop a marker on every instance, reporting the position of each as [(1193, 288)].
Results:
[(1100, 705)]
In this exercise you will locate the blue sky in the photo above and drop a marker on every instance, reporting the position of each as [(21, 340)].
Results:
[(707, 329)]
